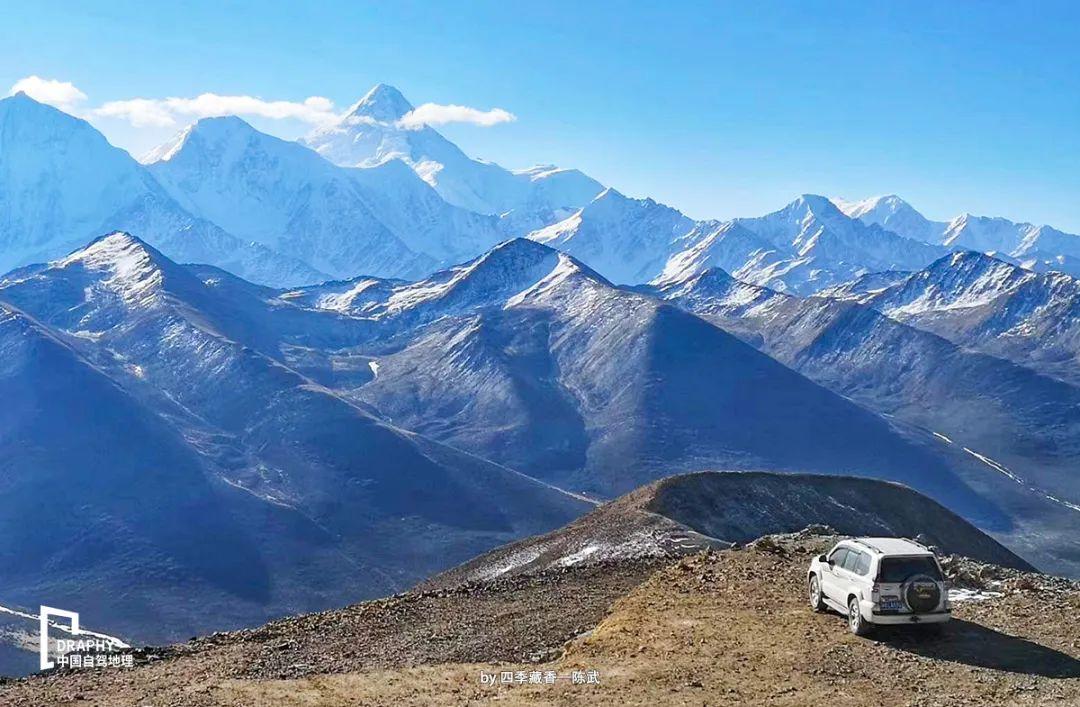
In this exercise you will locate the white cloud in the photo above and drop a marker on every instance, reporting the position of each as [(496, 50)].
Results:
[(61, 94), (435, 114), (140, 112), (164, 112), (173, 111)]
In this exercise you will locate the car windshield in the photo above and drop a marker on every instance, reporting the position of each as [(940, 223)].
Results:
[(899, 569)]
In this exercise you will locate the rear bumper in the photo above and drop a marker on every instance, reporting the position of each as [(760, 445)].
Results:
[(936, 617), (932, 617)]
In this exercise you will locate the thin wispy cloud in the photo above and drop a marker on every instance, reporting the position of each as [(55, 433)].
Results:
[(166, 112), (436, 114), (61, 94)]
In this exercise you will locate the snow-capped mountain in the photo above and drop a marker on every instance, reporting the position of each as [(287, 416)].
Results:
[(381, 221), (145, 393), (62, 183), (1033, 247), (831, 247), (371, 133), (988, 305), (804, 247), (727, 245), (528, 357), (894, 214), (627, 240)]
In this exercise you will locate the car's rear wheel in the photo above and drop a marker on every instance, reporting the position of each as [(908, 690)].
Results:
[(856, 623), (817, 602)]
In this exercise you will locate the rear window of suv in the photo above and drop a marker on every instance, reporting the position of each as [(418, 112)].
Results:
[(893, 570)]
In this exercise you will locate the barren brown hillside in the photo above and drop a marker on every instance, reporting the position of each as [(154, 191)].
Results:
[(717, 628)]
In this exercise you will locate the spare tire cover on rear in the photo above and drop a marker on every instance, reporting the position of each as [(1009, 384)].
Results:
[(922, 593)]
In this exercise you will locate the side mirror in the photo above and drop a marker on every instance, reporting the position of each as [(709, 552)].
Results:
[(823, 558)]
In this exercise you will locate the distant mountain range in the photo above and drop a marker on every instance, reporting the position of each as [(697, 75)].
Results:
[(1034, 247), (332, 403), (809, 245), (62, 184), (395, 200)]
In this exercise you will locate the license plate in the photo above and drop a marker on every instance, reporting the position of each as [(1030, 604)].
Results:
[(891, 605)]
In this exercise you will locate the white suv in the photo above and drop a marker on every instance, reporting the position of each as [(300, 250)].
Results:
[(879, 581)]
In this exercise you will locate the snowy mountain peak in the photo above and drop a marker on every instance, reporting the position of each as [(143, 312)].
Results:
[(23, 117), (967, 264), (816, 204), (168, 149), (123, 263), (109, 250), (383, 104), (224, 126), (22, 104), (875, 209), (506, 274), (372, 134), (206, 135), (609, 198), (509, 261)]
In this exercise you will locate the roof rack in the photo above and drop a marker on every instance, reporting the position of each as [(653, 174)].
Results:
[(866, 544)]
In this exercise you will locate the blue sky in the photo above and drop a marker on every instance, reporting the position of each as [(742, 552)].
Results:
[(720, 109)]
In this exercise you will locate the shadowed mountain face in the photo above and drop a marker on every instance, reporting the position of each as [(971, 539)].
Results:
[(1019, 429), (988, 305), (137, 398), (687, 513), (529, 358)]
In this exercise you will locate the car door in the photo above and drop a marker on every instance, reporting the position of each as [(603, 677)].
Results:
[(831, 578), (848, 578)]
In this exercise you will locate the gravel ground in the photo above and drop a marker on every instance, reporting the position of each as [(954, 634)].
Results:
[(728, 627)]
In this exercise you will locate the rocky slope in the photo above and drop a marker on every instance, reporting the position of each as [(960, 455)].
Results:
[(528, 357), (689, 513)]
